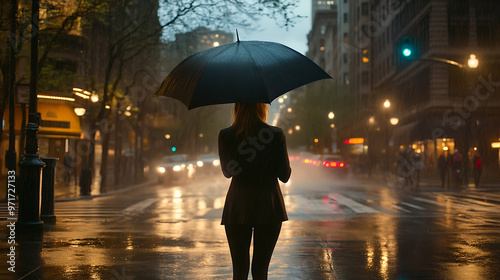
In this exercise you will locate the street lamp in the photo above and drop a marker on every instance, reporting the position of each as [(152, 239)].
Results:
[(331, 115), (394, 121), (94, 97), (473, 62), (387, 104), (80, 111)]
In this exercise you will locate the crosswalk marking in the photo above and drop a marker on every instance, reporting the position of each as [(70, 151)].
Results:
[(412, 205), (140, 206), (351, 204)]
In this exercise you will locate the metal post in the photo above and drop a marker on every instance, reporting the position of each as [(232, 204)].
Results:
[(30, 163), (48, 175)]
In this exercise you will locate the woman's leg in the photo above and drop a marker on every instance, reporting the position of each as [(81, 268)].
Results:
[(239, 238), (265, 238)]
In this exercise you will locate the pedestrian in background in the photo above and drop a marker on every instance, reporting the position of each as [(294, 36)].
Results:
[(457, 167), (478, 168), (254, 154), (418, 165), (443, 168)]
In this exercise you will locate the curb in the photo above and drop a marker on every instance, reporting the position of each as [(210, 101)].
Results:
[(89, 197)]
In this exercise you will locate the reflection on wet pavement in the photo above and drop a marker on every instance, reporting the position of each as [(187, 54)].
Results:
[(336, 231)]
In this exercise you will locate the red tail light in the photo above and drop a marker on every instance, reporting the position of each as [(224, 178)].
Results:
[(342, 164)]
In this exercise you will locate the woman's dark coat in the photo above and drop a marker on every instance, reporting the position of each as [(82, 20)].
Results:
[(255, 163)]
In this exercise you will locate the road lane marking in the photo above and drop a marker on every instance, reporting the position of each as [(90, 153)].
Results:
[(351, 204), (140, 206), (412, 206)]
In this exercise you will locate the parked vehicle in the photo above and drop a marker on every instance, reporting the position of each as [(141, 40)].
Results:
[(175, 167)]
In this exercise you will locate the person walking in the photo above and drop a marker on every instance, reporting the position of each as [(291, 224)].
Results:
[(457, 167), (443, 168), (254, 154), (418, 165), (478, 168)]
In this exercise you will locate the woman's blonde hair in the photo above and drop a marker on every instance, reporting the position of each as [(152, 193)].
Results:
[(245, 115)]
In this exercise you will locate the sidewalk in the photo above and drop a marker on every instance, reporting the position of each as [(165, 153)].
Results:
[(427, 182)]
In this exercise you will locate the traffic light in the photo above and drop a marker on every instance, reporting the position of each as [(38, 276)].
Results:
[(407, 48)]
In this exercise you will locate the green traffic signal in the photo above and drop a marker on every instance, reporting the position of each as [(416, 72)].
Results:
[(406, 52)]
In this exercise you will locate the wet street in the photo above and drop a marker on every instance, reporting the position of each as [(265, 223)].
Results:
[(338, 229)]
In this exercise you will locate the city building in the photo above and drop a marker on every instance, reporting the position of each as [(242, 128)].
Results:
[(441, 103)]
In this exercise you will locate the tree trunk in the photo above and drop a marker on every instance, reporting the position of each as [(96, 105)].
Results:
[(104, 160)]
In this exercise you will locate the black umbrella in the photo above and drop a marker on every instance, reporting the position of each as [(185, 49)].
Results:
[(244, 71)]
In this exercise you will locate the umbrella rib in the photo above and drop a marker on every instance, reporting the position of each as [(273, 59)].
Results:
[(259, 72)]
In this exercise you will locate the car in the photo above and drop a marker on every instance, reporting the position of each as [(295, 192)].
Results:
[(335, 164), (175, 167), (207, 164)]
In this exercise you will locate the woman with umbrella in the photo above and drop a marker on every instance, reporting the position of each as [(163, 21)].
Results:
[(254, 154), (249, 74)]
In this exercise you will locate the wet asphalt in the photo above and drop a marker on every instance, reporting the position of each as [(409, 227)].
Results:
[(338, 229)]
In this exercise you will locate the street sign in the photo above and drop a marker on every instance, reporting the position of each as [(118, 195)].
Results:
[(23, 94)]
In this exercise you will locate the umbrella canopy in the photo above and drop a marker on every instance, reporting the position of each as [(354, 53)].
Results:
[(244, 71)]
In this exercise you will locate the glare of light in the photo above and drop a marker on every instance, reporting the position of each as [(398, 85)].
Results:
[(394, 121), (371, 120), (289, 110), (366, 59), (177, 168), (199, 163), (495, 145), (107, 107), (161, 169), (79, 111), (216, 44), (167, 136), (42, 96), (201, 135), (78, 89), (129, 107), (418, 151), (285, 96), (290, 131), (82, 95), (316, 140), (127, 113), (387, 103), (216, 162), (332, 125), (331, 115), (473, 62), (475, 148), (322, 48), (94, 98), (177, 193), (297, 127), (281, 100), (445, 148)]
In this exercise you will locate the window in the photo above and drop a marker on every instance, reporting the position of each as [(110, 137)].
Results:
[(346, 38), (345, 18), (365, 80), (364, 8)]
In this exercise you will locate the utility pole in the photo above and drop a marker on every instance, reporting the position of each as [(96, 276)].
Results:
[(30, 164)]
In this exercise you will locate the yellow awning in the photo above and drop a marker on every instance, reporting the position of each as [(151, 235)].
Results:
[(57, 121)]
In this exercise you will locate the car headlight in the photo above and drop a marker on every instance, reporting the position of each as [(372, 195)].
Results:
[(177, 168), (161, 169), (216, 162), (199, 163)]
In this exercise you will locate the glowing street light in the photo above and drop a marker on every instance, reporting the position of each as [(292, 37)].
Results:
[(394, 121), (387, 103), (331, 115), (473, 62), (297, 127), (79, 111)]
